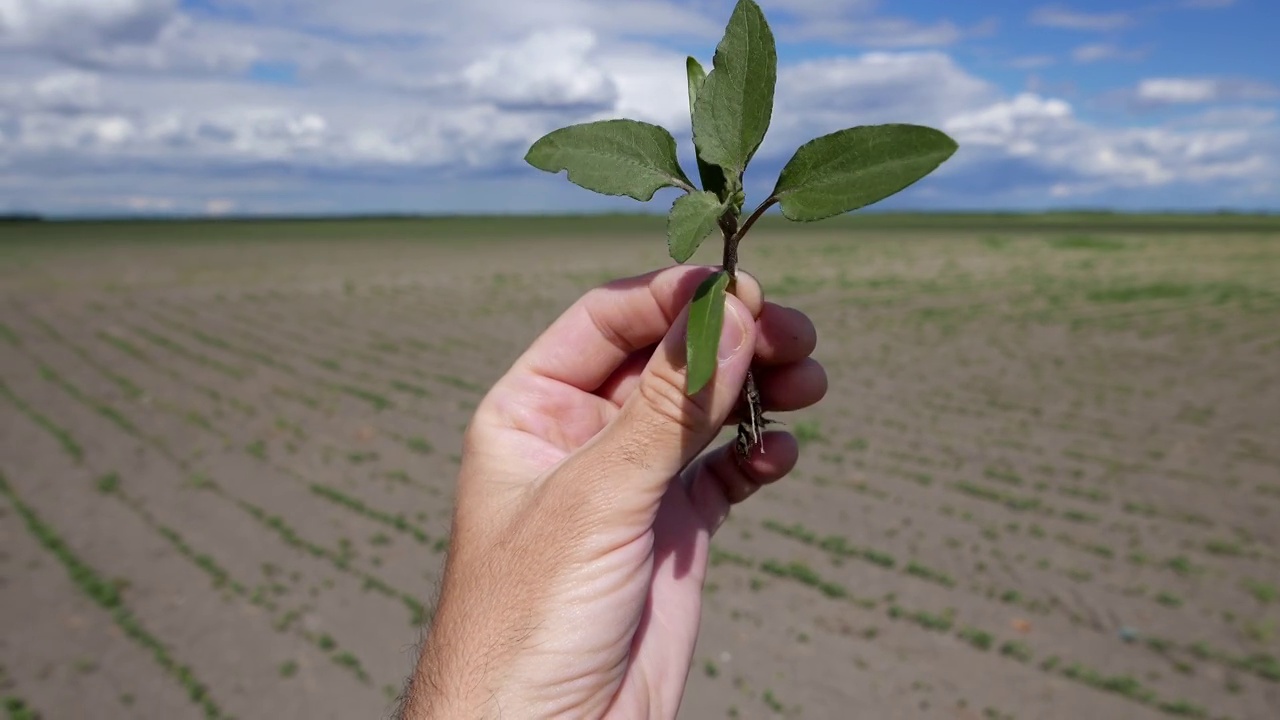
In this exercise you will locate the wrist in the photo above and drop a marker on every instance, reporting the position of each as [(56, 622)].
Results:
[(464, 666), (450, 681)]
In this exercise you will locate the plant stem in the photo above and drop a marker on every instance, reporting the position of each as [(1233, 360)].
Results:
[(749, 429), (729, 226), (752, 220)]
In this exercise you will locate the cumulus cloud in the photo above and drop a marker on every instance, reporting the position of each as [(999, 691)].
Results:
[(154, 107), (1017, 125), (651, 85), (232, 129), (151, 35), (922, 87), (552, 68), (1026, 146), (64, 92), (1090, 160)]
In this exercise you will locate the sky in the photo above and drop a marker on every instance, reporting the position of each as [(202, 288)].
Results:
[(241, 107)]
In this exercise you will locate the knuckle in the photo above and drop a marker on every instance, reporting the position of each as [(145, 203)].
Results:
[(735, 482), (662, 392), (471, 436), (593, 305)]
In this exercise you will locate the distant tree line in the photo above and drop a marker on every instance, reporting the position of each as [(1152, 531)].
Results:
[(20, 217)]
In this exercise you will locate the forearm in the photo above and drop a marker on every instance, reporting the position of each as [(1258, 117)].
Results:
[(438, 688), (471, 659), (506, 640), (459, 668)]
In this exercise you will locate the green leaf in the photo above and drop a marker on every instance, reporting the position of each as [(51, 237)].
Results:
[(697, 75), (856, 167), (735, 104), (693, 217), (612, 157), (706, 318), (711, 175)]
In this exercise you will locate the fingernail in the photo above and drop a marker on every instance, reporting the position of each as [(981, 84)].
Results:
[(733, 334)]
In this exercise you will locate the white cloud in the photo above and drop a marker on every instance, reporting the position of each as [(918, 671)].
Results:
[(219, 206), (1057, 16), (1099, 52), (820, 8), (552, 68), (1015, 125), (200, 128), (922, 87), (651, 85), (146, 204), (463, 24), (877, 32), (1176, 90), (67, 22), (822, 96), (1183, 90), (150, 35), (1093, 160), (60, 92), (151, 107), (858, 22), (1029, 145), (1239, 117)]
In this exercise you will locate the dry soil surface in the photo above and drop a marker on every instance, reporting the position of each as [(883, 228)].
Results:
[(1045, 482)]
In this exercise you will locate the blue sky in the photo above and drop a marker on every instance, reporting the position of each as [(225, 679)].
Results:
[(354, 106)]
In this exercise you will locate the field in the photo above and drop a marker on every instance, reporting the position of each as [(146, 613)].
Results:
[(1045, 482)]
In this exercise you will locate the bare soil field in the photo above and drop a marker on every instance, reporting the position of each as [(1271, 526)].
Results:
[(1045, 482)]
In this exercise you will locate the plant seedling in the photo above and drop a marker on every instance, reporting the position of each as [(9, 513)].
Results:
[(731, 108)]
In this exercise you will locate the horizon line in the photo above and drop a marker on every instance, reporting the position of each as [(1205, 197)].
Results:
[(34, 217)]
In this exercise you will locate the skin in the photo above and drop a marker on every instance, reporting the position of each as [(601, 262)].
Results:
[(585, 505)]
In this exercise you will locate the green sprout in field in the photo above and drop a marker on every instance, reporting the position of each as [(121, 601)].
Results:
[(731, 108)]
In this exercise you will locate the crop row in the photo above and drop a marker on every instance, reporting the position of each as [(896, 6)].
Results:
[(980, 639), (107, 595)]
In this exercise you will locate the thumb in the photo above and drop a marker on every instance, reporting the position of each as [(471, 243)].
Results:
[(660, 429)]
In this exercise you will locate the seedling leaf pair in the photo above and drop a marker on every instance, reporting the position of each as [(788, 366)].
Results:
[(735, 104), (712, 176), (731, 108)]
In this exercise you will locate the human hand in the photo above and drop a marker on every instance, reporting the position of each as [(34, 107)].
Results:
[(583, 515)]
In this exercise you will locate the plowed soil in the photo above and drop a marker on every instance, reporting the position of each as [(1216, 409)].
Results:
[(1045, 482)]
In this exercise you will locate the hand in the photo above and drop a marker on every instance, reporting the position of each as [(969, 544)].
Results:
[(573, 584)]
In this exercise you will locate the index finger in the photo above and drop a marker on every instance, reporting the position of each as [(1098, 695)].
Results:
[(592, 339)]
